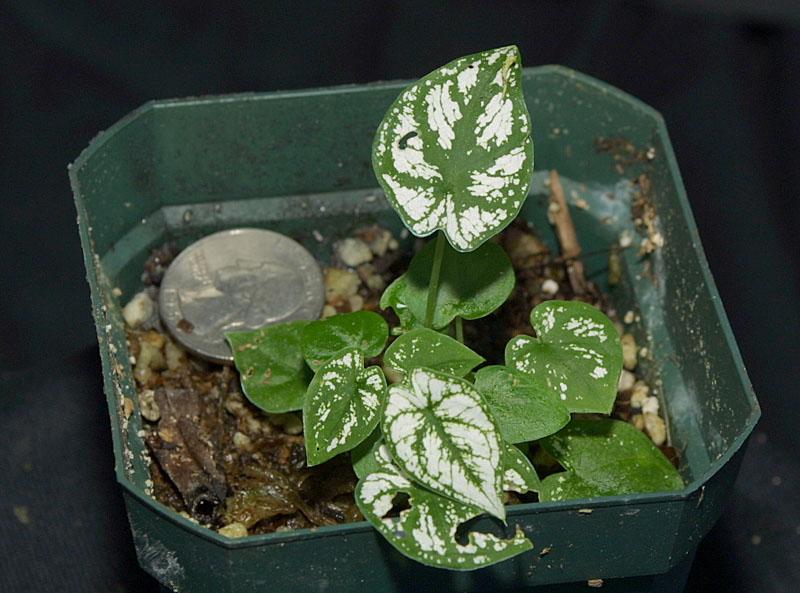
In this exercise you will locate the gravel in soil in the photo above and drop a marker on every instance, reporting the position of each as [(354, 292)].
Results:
[(223, 462)]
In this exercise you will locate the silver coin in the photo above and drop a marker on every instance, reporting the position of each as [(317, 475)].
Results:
[(237, 280)]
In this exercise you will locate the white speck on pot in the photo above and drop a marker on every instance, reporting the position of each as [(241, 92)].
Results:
[(234, 530), (116, 291), (595, 583), (655, 427), (317, 236), (643, 352), (550, 287), (138, 310), (776, 480), (629, 317), (755, 539), (650, 154), (629, 359), (353, 252), (625, 239)]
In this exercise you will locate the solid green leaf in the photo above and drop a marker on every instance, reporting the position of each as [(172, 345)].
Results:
[(270, 362), (576, 353), (523, 409), (454, 151), (342, 405), (426, 530), (323, 339), (606, 457), (519, 475), (471, 285), (427, 348), (441, 433)]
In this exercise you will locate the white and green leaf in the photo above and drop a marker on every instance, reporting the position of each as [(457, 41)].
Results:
[(426, 530), (342, 406), (270, 362), (519, 475), (525, 410), (605, 457), (454, 151), (459, 294), (441, 433), (323, 339), (576, 354), (424, 347)]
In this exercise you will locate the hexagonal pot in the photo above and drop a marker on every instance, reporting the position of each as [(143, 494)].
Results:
[(300, 161)]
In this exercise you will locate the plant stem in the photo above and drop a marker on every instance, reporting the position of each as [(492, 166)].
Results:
[(460, 329), (433, 284)]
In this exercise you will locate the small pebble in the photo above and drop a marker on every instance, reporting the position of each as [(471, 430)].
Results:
[(234, 530), (629, 359), (174, 355), (328, 311), (595, 583), (290, 423), (629, 318), (127, 407), (549, 287), (138, 310), (656, 428), (148, 407), (640, 393), (356, 302), (626, 381), (650, 405), (353, 252), (380, 244), (638, 421), (394, 245), (242, 441), (625, 239), (340, 283), (376, 283)]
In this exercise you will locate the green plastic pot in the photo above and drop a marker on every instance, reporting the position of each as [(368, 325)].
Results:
[(299, 162)]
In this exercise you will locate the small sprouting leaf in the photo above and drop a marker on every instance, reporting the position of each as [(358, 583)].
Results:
[(273, 373), (342, 405), (424, 347), (441, 433), (576, 353), (471, 285), (325, 338), (519, 474), (605, 457), (523, 409), (363, 455), (454, 151), (426, 530)]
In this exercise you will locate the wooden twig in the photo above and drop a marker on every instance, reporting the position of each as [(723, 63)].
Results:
[(567, 237)]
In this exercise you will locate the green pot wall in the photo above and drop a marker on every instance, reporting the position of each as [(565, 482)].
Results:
[(300, 161)]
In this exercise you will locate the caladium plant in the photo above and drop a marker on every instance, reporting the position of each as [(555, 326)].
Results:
[(445, 443)]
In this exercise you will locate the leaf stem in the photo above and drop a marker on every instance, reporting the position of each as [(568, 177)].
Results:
[(433, 284), (459, 329)]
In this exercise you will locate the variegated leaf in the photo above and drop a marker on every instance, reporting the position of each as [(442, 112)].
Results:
[(454, 151), (342, 406), (426, 530), (576, 353), (322, 339), (441, 433), (519, 474), (433, 350)]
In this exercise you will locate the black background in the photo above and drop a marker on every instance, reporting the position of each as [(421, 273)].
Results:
[(725, 75)]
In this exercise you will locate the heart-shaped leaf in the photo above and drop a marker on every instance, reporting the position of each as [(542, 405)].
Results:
[(605, 457), (342, 405), (441, 433), (576, 353), (519, 474), (524, 410), (424, 347), (426, 531), (471, 285), (454, 151), (325, 338), (270, 362)]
